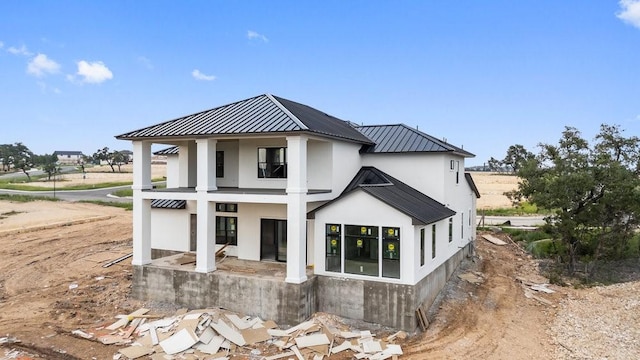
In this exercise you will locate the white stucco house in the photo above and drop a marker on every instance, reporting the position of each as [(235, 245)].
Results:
[(68, 157), (367, 221)]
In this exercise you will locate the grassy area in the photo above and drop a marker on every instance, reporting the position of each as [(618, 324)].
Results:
[(523, 209), (124, 205), (25, 198), (26, 187), (129, 192)]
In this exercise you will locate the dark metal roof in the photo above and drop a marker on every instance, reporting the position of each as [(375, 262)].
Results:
[(67, 153), (400, 138), (256, 115), (420, 207), (168, 204), (174, 150), (472, 184)]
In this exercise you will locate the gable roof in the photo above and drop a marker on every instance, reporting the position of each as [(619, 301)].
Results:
[(472, 184), (257, 115), (400, 138), (67, 153), (393, 192), (174, 150)]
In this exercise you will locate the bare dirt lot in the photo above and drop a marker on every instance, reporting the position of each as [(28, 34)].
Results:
[(52, 282), (97, 175)]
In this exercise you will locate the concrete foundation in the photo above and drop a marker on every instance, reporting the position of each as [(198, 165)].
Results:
[(387, 304)]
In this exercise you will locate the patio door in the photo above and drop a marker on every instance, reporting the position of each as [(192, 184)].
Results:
[(273, 239)]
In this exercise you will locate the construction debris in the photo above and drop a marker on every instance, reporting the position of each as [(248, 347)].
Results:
[(494, 240), (220, 334)]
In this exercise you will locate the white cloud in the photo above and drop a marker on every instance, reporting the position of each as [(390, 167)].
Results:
[(630, 12), (254, 35), (1, 44), (200, 76), (22, 50), (41, 65), (92, 72)]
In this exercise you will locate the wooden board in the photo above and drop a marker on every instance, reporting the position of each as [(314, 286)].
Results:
[(312, 340), (494, 240)]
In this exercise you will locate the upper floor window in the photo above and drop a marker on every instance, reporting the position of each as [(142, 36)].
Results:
[(219, 164), (272, 163)]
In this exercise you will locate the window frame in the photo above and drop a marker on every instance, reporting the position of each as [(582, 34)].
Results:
[(272, 169), (229, 233)]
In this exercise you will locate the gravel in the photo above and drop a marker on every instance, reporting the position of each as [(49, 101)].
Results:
[(599, 323)]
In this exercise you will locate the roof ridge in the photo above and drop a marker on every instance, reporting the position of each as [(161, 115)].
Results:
[(286, 111)]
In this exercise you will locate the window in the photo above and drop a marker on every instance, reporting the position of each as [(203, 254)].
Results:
[(391, 252), (361, 250), (333, 248), (461, 225), (433, 241), (422, 250), (457, 172), (469, 217), (225, 207), (451, 165), (226, 230), (219, 164), (450, 229), (272, 163)]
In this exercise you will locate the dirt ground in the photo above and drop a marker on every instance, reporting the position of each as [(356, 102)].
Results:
[(492, 187), (52, 282), (99, 174)]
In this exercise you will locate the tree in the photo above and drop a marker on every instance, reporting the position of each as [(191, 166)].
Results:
[(593, 191), (494, 164), (48, 163), (110, 157), (516, 156), (5, 156), (21, 158)]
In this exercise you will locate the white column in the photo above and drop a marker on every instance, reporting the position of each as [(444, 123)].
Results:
[(141, 207), (206, 165), (206, 176), (187, 164), (296, 209)]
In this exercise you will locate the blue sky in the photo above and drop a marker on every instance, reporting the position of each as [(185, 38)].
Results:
[(482, 74)]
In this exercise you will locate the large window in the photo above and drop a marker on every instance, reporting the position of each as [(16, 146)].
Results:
[(219, 164), (333, 248), (226, 232), (272, 162), (450, 229), (391, 252), (361, 250)]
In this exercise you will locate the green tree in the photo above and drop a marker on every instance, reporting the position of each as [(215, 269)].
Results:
[(21, 158), (112, 158), (48, 163), (494, 164), (516, 156), (593, 191)]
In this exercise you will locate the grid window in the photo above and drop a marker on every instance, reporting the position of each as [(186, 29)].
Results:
[(226, 230), (272, 163)]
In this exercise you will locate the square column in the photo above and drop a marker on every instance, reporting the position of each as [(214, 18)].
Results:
[(206, 177), (141, 207), (296, 209), (187, 164), (206, 165)]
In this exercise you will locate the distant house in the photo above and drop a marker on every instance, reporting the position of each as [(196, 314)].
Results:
[(128, 155), (367, 222), (69, 157)]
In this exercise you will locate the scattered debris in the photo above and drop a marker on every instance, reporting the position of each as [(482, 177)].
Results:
[(117, 260), (494, 240), (73, 286), (220, 334), (422, 321), (472, 277)]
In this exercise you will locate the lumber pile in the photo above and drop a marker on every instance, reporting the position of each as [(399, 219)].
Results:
[(220, 334)]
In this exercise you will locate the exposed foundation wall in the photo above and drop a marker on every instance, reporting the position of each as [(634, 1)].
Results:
[(287, 304), (388, 304)]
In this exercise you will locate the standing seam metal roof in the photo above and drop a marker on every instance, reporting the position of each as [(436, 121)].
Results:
[(260, 114), (420, 207), (400, 138)]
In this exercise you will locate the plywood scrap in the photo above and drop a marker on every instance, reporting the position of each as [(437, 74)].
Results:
[(399, 335), (178, 342), (296, 351), (254, 336), (113, 339), (472, 278), (241, 324), (494, 240), (82, 334), (542, 288), (278, 333), (125, 320), (230, 334), (423, 322), (342, 347), (213, 346), (206, 335), (280, 356), (529, 295), (312, 340), (134, 352), (371, 347), (349, 335)]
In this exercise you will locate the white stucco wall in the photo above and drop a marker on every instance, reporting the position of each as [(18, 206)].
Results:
[(319, 164), (248, 164), (231, 156), (171, 229), (172, 171), (359, 208), (346, 163)]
